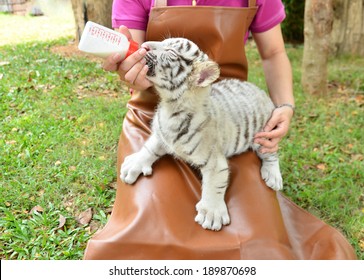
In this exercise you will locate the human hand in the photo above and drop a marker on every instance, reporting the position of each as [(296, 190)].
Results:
[(275, 129), (133, 69)]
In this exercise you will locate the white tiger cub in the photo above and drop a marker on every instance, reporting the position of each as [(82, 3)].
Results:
[(202, 123)]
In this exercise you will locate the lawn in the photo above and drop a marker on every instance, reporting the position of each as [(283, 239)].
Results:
[(60, 119)]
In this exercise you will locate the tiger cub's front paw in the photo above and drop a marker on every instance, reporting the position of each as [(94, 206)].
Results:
[(212, 216), (133, 166)]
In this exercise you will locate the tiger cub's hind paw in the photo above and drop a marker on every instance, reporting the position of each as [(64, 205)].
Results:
[(271, 174)]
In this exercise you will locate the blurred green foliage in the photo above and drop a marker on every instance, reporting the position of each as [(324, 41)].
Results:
[(292, 26)]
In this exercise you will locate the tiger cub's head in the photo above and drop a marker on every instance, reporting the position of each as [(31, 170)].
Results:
[(177, 64)]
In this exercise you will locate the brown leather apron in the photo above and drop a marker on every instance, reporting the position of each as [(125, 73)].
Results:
[(154, 218)]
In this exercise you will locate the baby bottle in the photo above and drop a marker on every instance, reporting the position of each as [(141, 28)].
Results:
[(101, 41)]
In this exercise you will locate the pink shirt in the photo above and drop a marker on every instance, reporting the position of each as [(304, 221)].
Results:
[(134, 14)]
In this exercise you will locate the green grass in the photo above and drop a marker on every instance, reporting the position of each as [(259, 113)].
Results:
[(322, 158), (60, 123), (58, 146)]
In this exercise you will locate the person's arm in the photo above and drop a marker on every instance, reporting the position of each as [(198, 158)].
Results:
[(278, 74), (133, 69)]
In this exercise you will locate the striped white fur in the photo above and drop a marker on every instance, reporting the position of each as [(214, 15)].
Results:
[(202, 123)]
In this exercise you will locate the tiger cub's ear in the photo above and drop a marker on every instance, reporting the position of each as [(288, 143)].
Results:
[(204, 73)]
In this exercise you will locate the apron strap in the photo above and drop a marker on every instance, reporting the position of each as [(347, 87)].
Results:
[(163, 3), (160, 3), (252, 3)]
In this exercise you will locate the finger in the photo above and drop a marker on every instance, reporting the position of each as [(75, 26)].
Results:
[(261, 134), (269, 150), (271, 124), (131, 60), (276, 133), (132, 75), (141, 81), (267, 143), (125, 31), (112, 62)]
